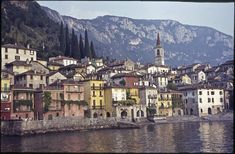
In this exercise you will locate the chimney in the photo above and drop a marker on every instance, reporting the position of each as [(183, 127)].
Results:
[(35, 71), (28, 46)]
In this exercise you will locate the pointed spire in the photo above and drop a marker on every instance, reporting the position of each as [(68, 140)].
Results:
[(158, 40)]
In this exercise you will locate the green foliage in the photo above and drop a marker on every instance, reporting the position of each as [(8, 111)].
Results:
[(81, 47), (47, 100), (75, 47), (123, 83), (171, 86), (18, 103), (87, 47), (93, 55), (128, 102), (67, 42), (62, 38)]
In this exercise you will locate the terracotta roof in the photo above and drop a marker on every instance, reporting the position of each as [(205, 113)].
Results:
[(17, 47), (125, 75), (31, 72), (19, 63)]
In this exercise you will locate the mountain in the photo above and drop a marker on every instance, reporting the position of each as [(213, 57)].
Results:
[(122, 37)]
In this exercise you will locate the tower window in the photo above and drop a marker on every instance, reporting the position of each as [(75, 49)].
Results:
[(158, 52)]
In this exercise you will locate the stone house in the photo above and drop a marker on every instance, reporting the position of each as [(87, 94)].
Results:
[(54, 76), (63, 60), (18, 67), (27, 79), (126, 79), (202, 100), (197, 77), (13, 52), (54, 66), (22, 103)]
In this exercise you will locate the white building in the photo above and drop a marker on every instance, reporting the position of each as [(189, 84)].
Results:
[(11, 52), (201, 101), (152, 69), (148, 96), (161, 80), (63, 60), (197, 77)]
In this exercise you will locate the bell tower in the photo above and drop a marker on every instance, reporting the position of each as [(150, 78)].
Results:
[(159, 52)]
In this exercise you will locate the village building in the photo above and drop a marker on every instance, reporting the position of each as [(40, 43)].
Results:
[(54, 76), (164, 103), (128, 65), (182, 79), (161, 80), (22, 103), (9, 75), (54, 66), (18, 67), (94, 96), (177, 103), (126, 79), (13, 52), (197, 77), (187, 69), (31, 79), (63, 60), (202, 100), (5, 98), (39, 67)]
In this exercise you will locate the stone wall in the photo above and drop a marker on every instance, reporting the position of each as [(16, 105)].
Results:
[(56, 125)]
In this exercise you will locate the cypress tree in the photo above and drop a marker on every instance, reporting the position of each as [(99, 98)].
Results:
[(81, 47), (77, 52), (67, 42), (93, 55), (72, 44), (87, 48), (62, 38)]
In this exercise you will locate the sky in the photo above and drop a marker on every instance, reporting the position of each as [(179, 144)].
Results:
[(216, 15)]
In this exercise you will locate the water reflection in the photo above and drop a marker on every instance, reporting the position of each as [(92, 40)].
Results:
[(179, 137)]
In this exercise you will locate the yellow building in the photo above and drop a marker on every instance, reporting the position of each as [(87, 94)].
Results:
[(113, 95), (94, 96), (133, 93), (18, 67), (164, 104)]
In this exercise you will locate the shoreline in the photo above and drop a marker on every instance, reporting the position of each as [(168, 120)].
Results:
[(20, 129)]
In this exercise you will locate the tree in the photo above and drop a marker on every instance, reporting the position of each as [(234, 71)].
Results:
[(75, 47), (122, 82), (171, 86), (67, 42), (62, 38), (47, 100), (81, 47), (87, 52), (93, 55)]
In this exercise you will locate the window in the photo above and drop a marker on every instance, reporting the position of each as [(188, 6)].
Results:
[(31, 77), (17, 57), (221, 99), (100, 93), (209, 100), (200, 92), (158, 52), (17, 51), (221, 93), (68, 96), (212, 92), (93, 93), (101, 104), (6, 50), (31, 52), (185, 94), (208, 93), (186, 101), (41, 77), (201, 110), (6, 56), (31, 85), (31, 58), (94, 103), (200, 100), (193, 93), (212, 100)]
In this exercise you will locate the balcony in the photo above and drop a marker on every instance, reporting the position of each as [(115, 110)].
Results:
[(5, 89), (152, 96), (97, 88), (17, 104), (97, 107), (165, 107), (74, 91), (128, 102), (164, 99)]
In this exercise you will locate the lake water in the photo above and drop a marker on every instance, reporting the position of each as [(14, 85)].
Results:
[(175, 137)]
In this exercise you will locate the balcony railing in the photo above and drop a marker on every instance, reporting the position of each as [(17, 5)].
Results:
[(97, 87), (5, 89), (165, 107), (152, 96), (74, 91), (98, 107), (18, 103), (164, 99)]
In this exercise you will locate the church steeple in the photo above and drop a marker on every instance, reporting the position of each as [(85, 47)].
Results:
[(158, 40)]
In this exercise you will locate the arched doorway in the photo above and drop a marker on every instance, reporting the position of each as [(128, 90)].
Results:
[(179, 112), (191, 111), (108, 114), (209, 110), (95, 115), (123, 114), (140, 113)]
